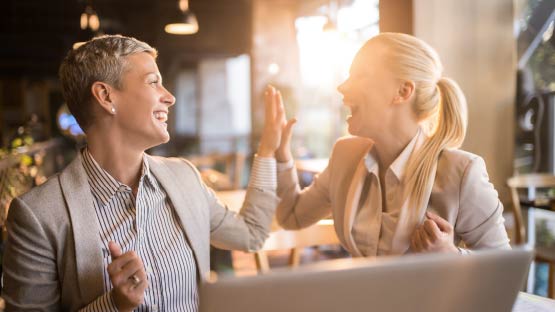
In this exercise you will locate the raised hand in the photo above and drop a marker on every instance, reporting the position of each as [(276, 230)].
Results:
[(277, 130), (128, 278), (434, 235)]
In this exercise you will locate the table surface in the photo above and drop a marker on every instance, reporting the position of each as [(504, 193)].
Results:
[(526, 302)]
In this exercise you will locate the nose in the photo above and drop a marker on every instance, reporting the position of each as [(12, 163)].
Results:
[(342, 87), (168, 98)]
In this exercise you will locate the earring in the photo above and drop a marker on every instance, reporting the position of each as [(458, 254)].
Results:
[(113, 110)]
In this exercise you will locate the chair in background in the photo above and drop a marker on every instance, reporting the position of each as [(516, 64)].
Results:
[(221, 172), (533, 181), (321, 233)]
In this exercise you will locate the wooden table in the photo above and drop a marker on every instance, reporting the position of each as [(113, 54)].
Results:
[(321, 233)]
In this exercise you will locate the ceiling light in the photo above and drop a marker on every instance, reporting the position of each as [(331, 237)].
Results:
[(89, 19), (185, 23)]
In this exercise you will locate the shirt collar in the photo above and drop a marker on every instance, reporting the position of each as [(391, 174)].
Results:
[(103, 185), (400, 163)]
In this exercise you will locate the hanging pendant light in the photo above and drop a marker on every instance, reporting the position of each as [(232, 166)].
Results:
[(89, 23), (185, 23), (330, 25), (89, 19)]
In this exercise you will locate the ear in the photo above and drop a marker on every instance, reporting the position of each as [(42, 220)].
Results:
[(405, 91), (102, 93)]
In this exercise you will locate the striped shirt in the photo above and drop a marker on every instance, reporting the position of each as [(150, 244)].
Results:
[(148, 225)]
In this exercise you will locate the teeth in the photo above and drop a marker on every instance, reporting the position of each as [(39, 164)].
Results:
[(161, 116)]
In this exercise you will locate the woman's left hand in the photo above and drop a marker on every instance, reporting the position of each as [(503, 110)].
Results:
[(434, 235), (275, 123)]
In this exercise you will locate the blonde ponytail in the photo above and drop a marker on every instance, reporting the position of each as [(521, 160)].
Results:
[(439, 104), (448, 132)]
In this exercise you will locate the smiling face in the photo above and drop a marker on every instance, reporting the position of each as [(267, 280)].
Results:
[(369, 92), (142, 103)]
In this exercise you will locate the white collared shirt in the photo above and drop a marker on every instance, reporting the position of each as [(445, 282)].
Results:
[(149, 225), (375, 212)]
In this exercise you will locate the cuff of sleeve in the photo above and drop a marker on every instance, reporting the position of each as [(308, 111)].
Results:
[(283, 166), (463, 251), (264, 173), (104, 303)]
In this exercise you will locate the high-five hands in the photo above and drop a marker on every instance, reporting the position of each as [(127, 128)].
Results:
[(276, 136), (434, 235), (128, 278)]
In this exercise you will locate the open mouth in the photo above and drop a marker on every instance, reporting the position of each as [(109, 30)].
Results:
[(353, 109), (161, 116)]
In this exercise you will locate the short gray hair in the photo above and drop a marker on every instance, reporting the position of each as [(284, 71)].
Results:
[(100, 59)]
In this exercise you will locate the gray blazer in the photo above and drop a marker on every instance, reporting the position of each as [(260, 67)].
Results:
[(53, 256), (461, 194)]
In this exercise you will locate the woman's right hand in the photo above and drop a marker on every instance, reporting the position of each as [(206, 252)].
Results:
[(276, 136), (128, 278)]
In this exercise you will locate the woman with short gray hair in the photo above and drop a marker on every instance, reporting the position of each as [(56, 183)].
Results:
[(118, 229)]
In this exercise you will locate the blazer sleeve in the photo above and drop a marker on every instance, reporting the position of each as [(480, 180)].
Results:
[(299, 209), (30, 275), (29, 263), (246, 230), (480, 222)]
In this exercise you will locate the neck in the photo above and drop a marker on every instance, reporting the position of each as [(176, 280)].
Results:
[(390, 144), (121, 161)]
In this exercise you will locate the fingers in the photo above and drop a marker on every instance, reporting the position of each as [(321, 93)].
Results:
[(288, 129), (115, 250), (421, 240), (443, 224), (273, 105), (431, 228), (278, 102), (130, 269), (128, 277), (283, 152), (121, 269), (268, 103), (416, 245)]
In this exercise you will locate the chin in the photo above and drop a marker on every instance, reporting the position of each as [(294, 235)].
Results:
[(164, 138), (352, 130), (158, 140)]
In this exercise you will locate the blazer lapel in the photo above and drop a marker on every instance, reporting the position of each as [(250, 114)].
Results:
[(183, 205), (407, 221), (85, 227), (351, 205)]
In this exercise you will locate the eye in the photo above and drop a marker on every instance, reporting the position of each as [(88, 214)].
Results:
[(155, 82)]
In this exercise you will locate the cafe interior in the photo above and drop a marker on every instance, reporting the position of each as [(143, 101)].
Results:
[(217, 58)]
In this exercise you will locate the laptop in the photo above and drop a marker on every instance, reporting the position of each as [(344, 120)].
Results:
[(484, 281)]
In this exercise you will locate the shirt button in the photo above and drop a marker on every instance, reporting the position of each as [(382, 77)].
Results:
[(154, 308), (147, 268)]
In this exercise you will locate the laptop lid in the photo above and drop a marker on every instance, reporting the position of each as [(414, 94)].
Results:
[(484, 281)]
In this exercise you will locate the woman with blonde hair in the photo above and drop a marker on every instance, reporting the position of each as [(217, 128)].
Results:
[(399, 183)]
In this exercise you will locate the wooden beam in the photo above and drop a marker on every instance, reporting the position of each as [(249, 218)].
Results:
[(396, 16)]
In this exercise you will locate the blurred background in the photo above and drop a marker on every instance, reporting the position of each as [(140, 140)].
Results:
[(500, 51)]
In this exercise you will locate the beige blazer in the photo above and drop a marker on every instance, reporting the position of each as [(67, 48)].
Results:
[(461, 194), (53, 256)]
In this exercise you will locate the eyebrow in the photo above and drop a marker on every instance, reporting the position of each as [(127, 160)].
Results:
[(155, 74)]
